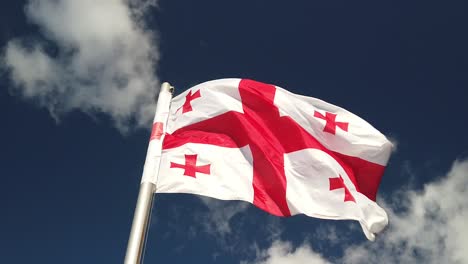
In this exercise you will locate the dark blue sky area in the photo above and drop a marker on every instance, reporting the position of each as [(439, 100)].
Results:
[(69, 189)]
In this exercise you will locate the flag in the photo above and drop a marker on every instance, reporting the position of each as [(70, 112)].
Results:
[(238, 139)]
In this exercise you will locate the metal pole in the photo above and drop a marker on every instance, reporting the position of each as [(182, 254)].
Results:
[(140, 223), (136, 240)]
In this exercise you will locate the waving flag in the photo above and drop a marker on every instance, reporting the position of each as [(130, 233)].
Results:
[(287, 154)]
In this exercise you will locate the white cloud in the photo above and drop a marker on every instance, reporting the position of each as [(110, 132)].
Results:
[(431, 228), (94, 56), (283, 253)]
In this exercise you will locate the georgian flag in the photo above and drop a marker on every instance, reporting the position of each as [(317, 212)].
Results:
[(287, 154)]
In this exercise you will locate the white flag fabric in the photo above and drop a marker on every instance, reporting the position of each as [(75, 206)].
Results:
[(238, 139)]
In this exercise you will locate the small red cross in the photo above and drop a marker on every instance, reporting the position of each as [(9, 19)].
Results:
[(338, 183), (190, 167), (330, 126), (187, 107)]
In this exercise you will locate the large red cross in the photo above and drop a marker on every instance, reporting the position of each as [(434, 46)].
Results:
[(190, 167), (269, 137), (331, 123)]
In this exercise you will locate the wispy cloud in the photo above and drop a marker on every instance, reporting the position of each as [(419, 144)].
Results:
[(93, 56), (429, 229), (283, 253), (217, 221), (225, 221)]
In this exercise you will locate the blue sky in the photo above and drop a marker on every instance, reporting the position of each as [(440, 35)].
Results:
[(78, 80)]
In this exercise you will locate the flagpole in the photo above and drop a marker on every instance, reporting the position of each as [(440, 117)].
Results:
[(141, 217)]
